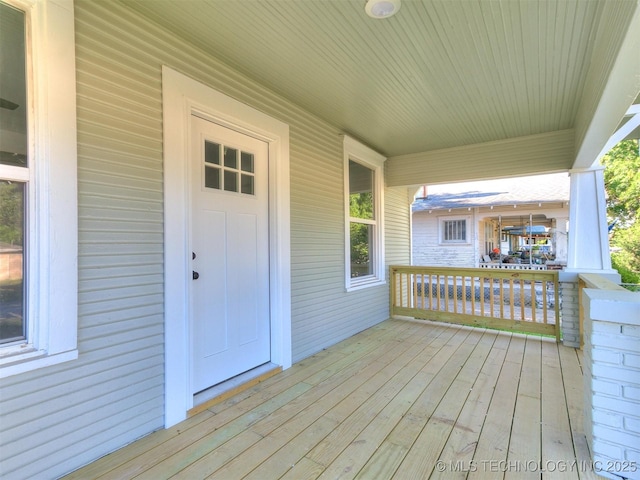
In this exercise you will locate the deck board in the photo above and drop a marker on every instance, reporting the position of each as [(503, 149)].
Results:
[(557, 441), (462, 441), (570, 360), (427, 447), (402, 400), (493, 444), (524, 444)]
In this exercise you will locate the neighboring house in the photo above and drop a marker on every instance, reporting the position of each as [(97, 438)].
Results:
[(11, 263), (183, 164), (463, 224)]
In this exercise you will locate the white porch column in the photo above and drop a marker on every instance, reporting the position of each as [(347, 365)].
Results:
[(560, 239), (588, 248)]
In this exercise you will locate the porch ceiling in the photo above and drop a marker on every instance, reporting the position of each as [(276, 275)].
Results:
[(437, 75)]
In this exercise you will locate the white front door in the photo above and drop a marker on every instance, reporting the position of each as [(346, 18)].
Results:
[(230, 324)]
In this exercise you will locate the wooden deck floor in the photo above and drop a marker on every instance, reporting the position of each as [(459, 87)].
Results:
[(402, 400)]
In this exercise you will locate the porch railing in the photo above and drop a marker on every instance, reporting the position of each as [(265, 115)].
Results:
[(513, 266), (526, 301)]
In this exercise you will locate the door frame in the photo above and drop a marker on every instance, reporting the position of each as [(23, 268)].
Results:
[(182, 98)]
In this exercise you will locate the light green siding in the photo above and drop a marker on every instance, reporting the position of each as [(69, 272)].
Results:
[(59, 418), (397, 226)]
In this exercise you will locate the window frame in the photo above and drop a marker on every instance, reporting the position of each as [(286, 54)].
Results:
[(51, 227), (454, 218), (359, 153)]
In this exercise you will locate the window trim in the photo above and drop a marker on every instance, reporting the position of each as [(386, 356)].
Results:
[(52, 243), (357, 152), (450, 218)]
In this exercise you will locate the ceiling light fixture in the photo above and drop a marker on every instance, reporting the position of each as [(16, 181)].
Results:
[(382, 8)]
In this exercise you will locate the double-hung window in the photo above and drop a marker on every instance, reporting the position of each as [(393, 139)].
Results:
[(15, 174), (364, 250), (38, 191)]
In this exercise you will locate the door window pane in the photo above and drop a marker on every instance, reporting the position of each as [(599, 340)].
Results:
[(246, 162), (212, 153), (212, 178), (230, 181), (12, 297), (230, 157), (247, 184)]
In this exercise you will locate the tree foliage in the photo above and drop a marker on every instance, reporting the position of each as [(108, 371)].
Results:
[(622, 182), (11, 212), (360, 206)]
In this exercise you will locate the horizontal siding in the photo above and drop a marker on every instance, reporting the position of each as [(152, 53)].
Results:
[(323, 313), (397, 226), (59, 418)]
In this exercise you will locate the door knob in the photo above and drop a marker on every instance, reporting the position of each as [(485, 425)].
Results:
[(196, 275)]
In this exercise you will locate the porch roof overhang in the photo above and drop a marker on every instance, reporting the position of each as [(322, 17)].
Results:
[(447, 91)]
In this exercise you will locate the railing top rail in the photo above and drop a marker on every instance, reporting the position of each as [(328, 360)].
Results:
[(548, 275), (593, 280)]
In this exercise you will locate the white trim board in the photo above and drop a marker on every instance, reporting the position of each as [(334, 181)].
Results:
[(52, 222), (183, 97)]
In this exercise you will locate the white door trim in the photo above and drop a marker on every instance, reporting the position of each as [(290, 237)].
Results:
[(182, 97)]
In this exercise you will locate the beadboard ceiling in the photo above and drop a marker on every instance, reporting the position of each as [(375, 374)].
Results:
[(438, 74)]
